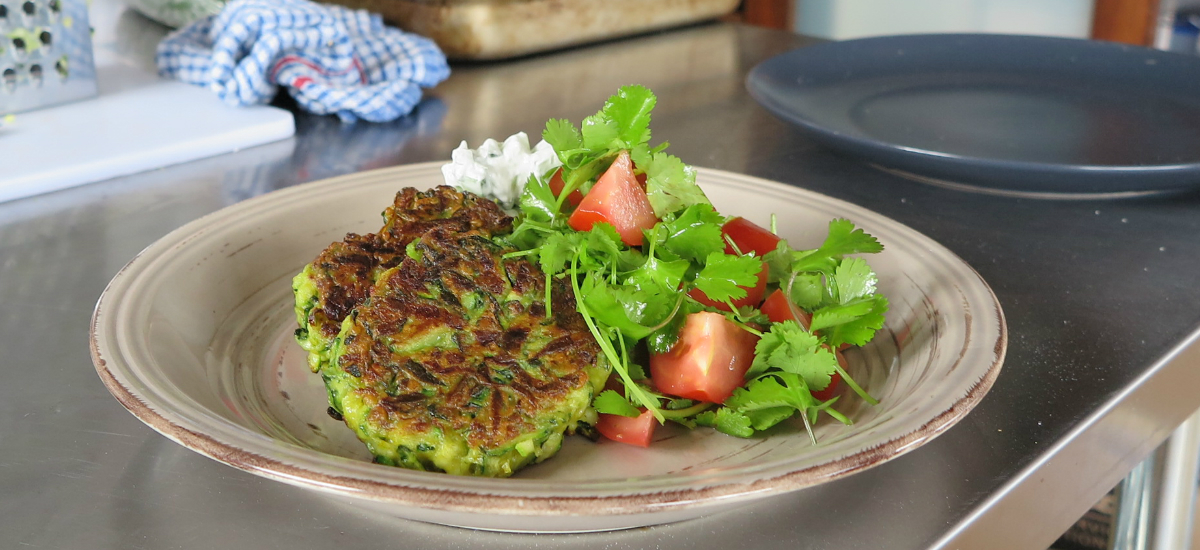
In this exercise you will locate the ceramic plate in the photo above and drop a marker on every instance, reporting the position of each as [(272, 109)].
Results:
[(1018, 113), (194, 337)]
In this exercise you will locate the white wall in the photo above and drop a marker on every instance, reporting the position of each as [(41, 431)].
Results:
[(844, 19)]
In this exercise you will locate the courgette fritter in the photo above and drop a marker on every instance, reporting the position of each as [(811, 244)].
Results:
[(448, 361), (342, 275), (452, 364)]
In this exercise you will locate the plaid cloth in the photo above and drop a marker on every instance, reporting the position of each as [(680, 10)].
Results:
[(331, 59)]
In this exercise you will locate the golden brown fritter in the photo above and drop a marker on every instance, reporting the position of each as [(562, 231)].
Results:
[(452, 365)]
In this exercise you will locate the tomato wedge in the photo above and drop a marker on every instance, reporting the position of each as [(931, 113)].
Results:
[(616, 199), (708, 362), (556, 187), (778, 310), (636, 430), (749, 237), (754, 294)]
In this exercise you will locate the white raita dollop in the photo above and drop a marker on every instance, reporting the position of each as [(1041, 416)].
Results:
[(497, 170)]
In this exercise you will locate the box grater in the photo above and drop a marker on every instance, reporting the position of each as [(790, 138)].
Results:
[(45, 54)]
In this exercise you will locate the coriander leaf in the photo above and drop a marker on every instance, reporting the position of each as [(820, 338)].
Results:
[(768, 343), (641, 156), (603, 246), (671, 185), (636, 371), (630, 259), (763, 393), (838, 314), (762, 419), (656, 271), (860, 330), (694, 234), (664, 338), (611, 402), (779, 263), (767, 401), (814, 363), (538, 202), (732, 423), (799, 390), (661, 340), (646, 305), (724, 275), (599, 132), (680, 403), (808, 290), (854, 279), (845, 239), (630, 110), (604, 239), (556, 251), (707, 418), (610, 306), (787, 347), (562, 135), (805, 261)]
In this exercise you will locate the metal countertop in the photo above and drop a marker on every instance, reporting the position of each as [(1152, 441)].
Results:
[(1100, 297)]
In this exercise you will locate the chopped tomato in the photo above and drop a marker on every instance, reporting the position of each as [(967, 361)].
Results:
[(632, 430), (749, 237), (557, 184), (778, 310), (616, 199), (754, 293), (708, 362), (834, 380)]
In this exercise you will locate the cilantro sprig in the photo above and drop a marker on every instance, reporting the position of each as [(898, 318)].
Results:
[(623, 124)]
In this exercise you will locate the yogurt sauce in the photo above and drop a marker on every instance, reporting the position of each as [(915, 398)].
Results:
[(497, 170)]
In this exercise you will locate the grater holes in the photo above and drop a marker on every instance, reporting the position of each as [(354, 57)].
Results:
[(41, 42)]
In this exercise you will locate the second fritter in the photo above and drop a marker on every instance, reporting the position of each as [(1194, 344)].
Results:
[(342, 275)]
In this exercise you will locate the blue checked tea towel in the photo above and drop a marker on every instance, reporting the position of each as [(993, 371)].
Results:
[(331, 59)]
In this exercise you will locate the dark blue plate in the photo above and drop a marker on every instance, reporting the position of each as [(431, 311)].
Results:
[(1016, 113)]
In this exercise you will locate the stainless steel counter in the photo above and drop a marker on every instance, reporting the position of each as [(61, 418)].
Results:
[(1101, 300)]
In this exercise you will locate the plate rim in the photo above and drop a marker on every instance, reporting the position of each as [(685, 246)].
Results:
[(895, 155), (459, 497)]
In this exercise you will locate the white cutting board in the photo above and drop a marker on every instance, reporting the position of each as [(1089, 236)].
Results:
[(139, 121)]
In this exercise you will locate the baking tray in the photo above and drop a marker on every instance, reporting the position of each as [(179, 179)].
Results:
[(498, 29)]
